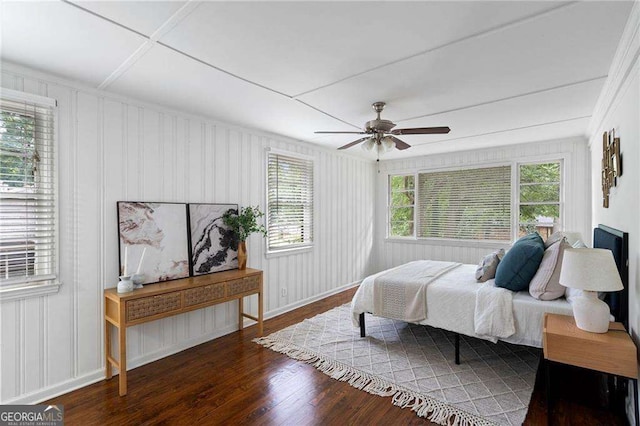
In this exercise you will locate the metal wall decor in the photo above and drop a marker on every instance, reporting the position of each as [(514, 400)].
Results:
[(611, 164)]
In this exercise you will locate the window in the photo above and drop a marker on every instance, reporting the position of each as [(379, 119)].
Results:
[(290, 201), (473, 204), (401, 206), (28, 240), (539, 198), (477, 204)]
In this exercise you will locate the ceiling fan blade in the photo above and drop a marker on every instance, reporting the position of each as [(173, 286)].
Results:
[(331, 132), (421, 131), (350, 144), (400, 144)]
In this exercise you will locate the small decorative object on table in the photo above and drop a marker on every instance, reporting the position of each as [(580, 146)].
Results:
[(125, 285), (244, 223), (138, 277), (137, 280)]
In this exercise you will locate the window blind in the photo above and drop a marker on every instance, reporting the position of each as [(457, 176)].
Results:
[(290, 201), (465, 204), (27, 193)]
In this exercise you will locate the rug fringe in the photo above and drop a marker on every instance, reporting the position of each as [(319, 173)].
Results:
[(424, 406)]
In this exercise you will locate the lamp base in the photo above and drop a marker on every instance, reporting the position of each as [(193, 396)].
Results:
[(591, 314)]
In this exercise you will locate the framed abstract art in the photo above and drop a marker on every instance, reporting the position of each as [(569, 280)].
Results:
[(213, 245), (153, 240)]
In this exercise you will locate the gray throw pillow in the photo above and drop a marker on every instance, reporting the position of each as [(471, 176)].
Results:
[(488, 265)]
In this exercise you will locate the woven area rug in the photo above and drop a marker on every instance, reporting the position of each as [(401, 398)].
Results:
[(415, 365)]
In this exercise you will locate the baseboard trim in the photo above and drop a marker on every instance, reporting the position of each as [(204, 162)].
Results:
[(97, 375), (57, 389), (290, 307)]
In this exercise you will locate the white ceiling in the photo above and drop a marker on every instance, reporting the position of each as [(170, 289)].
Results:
[(496, 72)]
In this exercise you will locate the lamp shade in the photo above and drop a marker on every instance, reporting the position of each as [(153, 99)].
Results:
[(590, 269)]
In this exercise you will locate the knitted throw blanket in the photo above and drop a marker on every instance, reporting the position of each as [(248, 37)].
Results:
[(401, 293)]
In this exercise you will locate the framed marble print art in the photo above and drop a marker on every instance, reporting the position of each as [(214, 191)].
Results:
[(153, 241)]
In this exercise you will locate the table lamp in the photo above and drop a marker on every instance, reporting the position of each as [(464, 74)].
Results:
[(591, 270)]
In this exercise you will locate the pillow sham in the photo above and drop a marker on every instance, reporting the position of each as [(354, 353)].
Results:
[(545, 284), (520, 263), (488, 265), (571, 237), (579, 244)]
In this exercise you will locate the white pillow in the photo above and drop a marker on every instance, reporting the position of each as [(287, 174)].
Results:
[(545, 284), (572, 238), (579, 244)]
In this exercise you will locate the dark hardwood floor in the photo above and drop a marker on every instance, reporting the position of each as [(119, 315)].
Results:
[(232, 380)]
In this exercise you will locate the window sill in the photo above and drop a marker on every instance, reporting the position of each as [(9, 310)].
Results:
[(28, 291), (287, 252), (447, 242)]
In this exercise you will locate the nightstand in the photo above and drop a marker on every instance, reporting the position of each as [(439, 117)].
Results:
[(612, 352)]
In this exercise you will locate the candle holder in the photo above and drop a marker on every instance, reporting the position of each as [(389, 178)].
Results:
[(125, 285)]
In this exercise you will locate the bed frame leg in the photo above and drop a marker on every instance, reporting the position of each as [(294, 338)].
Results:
[(363, 332), (457, 340)]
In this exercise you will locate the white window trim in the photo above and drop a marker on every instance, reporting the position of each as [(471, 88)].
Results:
[(563, 160), (289, 250), (565, 163), (45, 286), (415, 201)]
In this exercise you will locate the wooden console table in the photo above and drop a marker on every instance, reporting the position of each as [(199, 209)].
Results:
[(166, 299)]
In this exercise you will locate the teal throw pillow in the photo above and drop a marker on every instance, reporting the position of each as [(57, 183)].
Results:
[(520, 264)]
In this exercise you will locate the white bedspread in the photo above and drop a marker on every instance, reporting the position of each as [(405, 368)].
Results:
[(401, 293), (451, 304)]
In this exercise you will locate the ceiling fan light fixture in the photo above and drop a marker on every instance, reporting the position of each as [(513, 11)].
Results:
[(387, 144), (369, 145)]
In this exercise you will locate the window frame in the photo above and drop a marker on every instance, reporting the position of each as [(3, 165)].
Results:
[(562, 158), (561, 195), (34, 287), (415, 202), (291, 248)]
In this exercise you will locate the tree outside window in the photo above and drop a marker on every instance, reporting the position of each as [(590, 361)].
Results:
[(401, 205), (539, 200)]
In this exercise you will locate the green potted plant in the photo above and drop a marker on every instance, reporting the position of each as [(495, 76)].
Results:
[(244, 223)]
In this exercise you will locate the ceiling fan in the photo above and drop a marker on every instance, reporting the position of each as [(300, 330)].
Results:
[(381, 135)]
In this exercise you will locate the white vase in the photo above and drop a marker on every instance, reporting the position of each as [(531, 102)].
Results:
[(125, 285)]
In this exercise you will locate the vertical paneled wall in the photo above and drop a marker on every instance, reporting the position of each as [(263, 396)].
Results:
[(577, 217), (112, 149)]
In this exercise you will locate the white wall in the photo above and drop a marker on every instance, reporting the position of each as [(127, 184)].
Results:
[(392, 252), (619, 108), (112, 149)]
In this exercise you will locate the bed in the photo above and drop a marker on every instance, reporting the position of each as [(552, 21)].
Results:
[(452, 299)]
